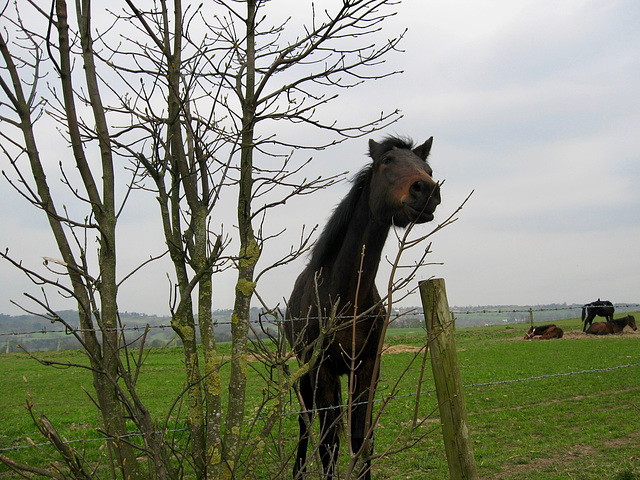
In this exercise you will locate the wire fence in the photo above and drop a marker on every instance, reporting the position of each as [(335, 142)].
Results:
[(386, 398), (491, 310), (278, 321), (389, 397)]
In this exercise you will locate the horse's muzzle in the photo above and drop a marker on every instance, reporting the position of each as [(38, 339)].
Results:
[(422, 203)]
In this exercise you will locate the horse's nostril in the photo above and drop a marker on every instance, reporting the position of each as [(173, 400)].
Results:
[(419, 187), (421, 190)]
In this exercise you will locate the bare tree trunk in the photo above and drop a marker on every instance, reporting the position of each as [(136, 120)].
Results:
[(183, 320), (190, 246), (247, 259), (105, 365), (212, 380)]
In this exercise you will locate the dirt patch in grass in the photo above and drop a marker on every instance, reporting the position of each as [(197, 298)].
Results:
[(562, 461), (391, 349), (571, 460), (580, 335)]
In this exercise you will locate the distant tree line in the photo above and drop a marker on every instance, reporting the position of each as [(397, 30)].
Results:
[(41, 336), (33, 333)]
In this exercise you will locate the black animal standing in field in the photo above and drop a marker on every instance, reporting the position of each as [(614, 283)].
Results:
[(545, 332), (396, 189), (613, 326), (600, 308)]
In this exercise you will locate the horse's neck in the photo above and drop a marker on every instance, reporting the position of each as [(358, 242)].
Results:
[(361, 247)]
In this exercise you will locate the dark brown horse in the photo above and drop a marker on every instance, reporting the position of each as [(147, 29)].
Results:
[(614, 326), (396, 189), (546, 332), (600, 308)]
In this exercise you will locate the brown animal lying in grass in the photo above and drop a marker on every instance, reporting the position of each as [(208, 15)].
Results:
[(615, 326), (546, 332)]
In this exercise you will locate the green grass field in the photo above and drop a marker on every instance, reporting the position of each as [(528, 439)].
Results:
[(536, 408)]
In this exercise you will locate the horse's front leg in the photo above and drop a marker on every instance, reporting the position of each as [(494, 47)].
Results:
[(361, 428), (329, 439), (328, 395), (304, 421)]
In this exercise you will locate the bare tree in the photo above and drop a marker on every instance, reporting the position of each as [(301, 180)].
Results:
[(243, 65), (194, 97), (95, 295)]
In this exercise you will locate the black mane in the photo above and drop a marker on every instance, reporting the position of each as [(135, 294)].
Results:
[(330, 239), (389, 143)]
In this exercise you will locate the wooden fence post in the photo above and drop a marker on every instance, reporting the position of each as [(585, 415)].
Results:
[(446, 374), (531, 316)]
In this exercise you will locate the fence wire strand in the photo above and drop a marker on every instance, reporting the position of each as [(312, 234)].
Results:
[(377, 400), (276, 322)]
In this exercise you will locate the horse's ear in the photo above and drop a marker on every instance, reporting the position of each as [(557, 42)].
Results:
[(423, 150), (375, 149)]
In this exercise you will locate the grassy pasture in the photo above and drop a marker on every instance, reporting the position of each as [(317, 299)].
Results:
[(578, 426)]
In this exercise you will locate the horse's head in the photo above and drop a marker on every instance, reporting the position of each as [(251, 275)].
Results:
[(529, 334), (402, 190), (631, 321)]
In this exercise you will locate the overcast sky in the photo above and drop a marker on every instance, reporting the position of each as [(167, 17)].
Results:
[(533, 105)]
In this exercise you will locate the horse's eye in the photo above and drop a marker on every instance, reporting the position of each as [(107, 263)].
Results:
[(386, 160)]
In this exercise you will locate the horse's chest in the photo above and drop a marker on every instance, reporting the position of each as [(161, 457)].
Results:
[(350, 346)]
